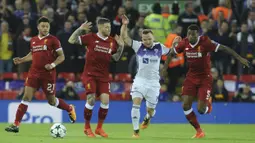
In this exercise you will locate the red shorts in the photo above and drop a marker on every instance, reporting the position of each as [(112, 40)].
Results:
[(200, 87), (46, 81), (95, 85)]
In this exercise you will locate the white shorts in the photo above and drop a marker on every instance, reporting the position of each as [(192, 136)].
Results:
[(150, 92)]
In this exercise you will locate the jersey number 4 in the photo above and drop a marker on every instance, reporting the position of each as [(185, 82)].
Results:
[(50, 87)]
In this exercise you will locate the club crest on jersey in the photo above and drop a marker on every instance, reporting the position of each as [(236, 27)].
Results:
[(199, 54), (45, 41), (156, 50), (88, 86)]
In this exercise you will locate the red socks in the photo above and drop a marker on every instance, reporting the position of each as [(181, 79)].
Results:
[(61, 104), (87, 115), (22, 109), (102, 113), (191, 117)]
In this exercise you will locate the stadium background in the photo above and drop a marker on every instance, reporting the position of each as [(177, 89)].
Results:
[(231, 23)]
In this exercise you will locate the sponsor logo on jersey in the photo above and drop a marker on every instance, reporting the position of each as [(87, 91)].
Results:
[(102, 49), (193, 54), (145, 60)]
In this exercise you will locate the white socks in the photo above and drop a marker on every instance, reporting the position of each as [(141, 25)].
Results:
[(57, 102), (89, 106), (135, 115)]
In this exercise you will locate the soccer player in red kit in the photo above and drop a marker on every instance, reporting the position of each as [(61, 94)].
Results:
[(45, 53), (101, 49), (198, 80)]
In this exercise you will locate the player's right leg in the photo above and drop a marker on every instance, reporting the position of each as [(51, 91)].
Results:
[(191, 116), (91, 98), (189, 91), (22, 109), (90, 87), (135, 112), (137, 93)]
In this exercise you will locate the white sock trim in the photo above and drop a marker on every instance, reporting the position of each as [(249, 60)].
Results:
[(206, 110), (135, 116), (104, 106), (57, 102), (89, 106), (188, 111), (24, 102), (148, 115)]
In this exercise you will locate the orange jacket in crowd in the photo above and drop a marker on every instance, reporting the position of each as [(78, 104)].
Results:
[(226, 12)]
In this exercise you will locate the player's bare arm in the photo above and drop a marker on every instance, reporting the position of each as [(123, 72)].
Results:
[(123, 31), (171, 53), (19, 60), (59, 60), (117, 55), (234, 54), (83, 29)]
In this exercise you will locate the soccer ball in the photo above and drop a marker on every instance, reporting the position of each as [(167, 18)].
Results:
[(58, 130)]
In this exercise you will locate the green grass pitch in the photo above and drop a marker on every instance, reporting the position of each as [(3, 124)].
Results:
[(121, 133)]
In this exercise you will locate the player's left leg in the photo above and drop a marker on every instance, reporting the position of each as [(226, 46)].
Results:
[(151, 103), (49, 89), (104, 90), (204, 97)]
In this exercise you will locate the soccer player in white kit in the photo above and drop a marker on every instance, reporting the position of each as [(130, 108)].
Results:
[(146, 83)]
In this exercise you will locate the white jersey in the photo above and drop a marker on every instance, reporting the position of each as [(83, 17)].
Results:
[(148, 60)]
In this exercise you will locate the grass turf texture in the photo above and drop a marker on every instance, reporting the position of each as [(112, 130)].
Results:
[(121, 133)]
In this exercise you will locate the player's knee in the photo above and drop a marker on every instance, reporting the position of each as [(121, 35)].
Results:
[(105, 102), (52, 102), (201, 110), (91, 98), (150, 111), (186, 106)]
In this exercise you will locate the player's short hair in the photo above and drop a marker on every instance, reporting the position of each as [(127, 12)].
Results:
[(43, 19), (193, 27), (147, 31), (103, 21)]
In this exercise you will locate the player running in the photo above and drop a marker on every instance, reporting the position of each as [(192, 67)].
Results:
[(101, 49), (146, 83), (46, 53), (198, 81)]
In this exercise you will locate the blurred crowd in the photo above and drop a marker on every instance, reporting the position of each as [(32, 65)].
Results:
[(231, 23)]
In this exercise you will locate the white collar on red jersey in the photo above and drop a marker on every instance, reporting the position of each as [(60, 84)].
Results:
[(43, 36), (102, 36), (195, 43)]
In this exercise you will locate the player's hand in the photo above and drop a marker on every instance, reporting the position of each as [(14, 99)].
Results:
[(177, 39), (86, 26), (119, 40), (17, 60), (48, 67), (125, 20), (244, 62), (164, 75)]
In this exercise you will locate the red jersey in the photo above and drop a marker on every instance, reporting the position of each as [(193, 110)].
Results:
[(198, 55), (43, 51), (98, 55)]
